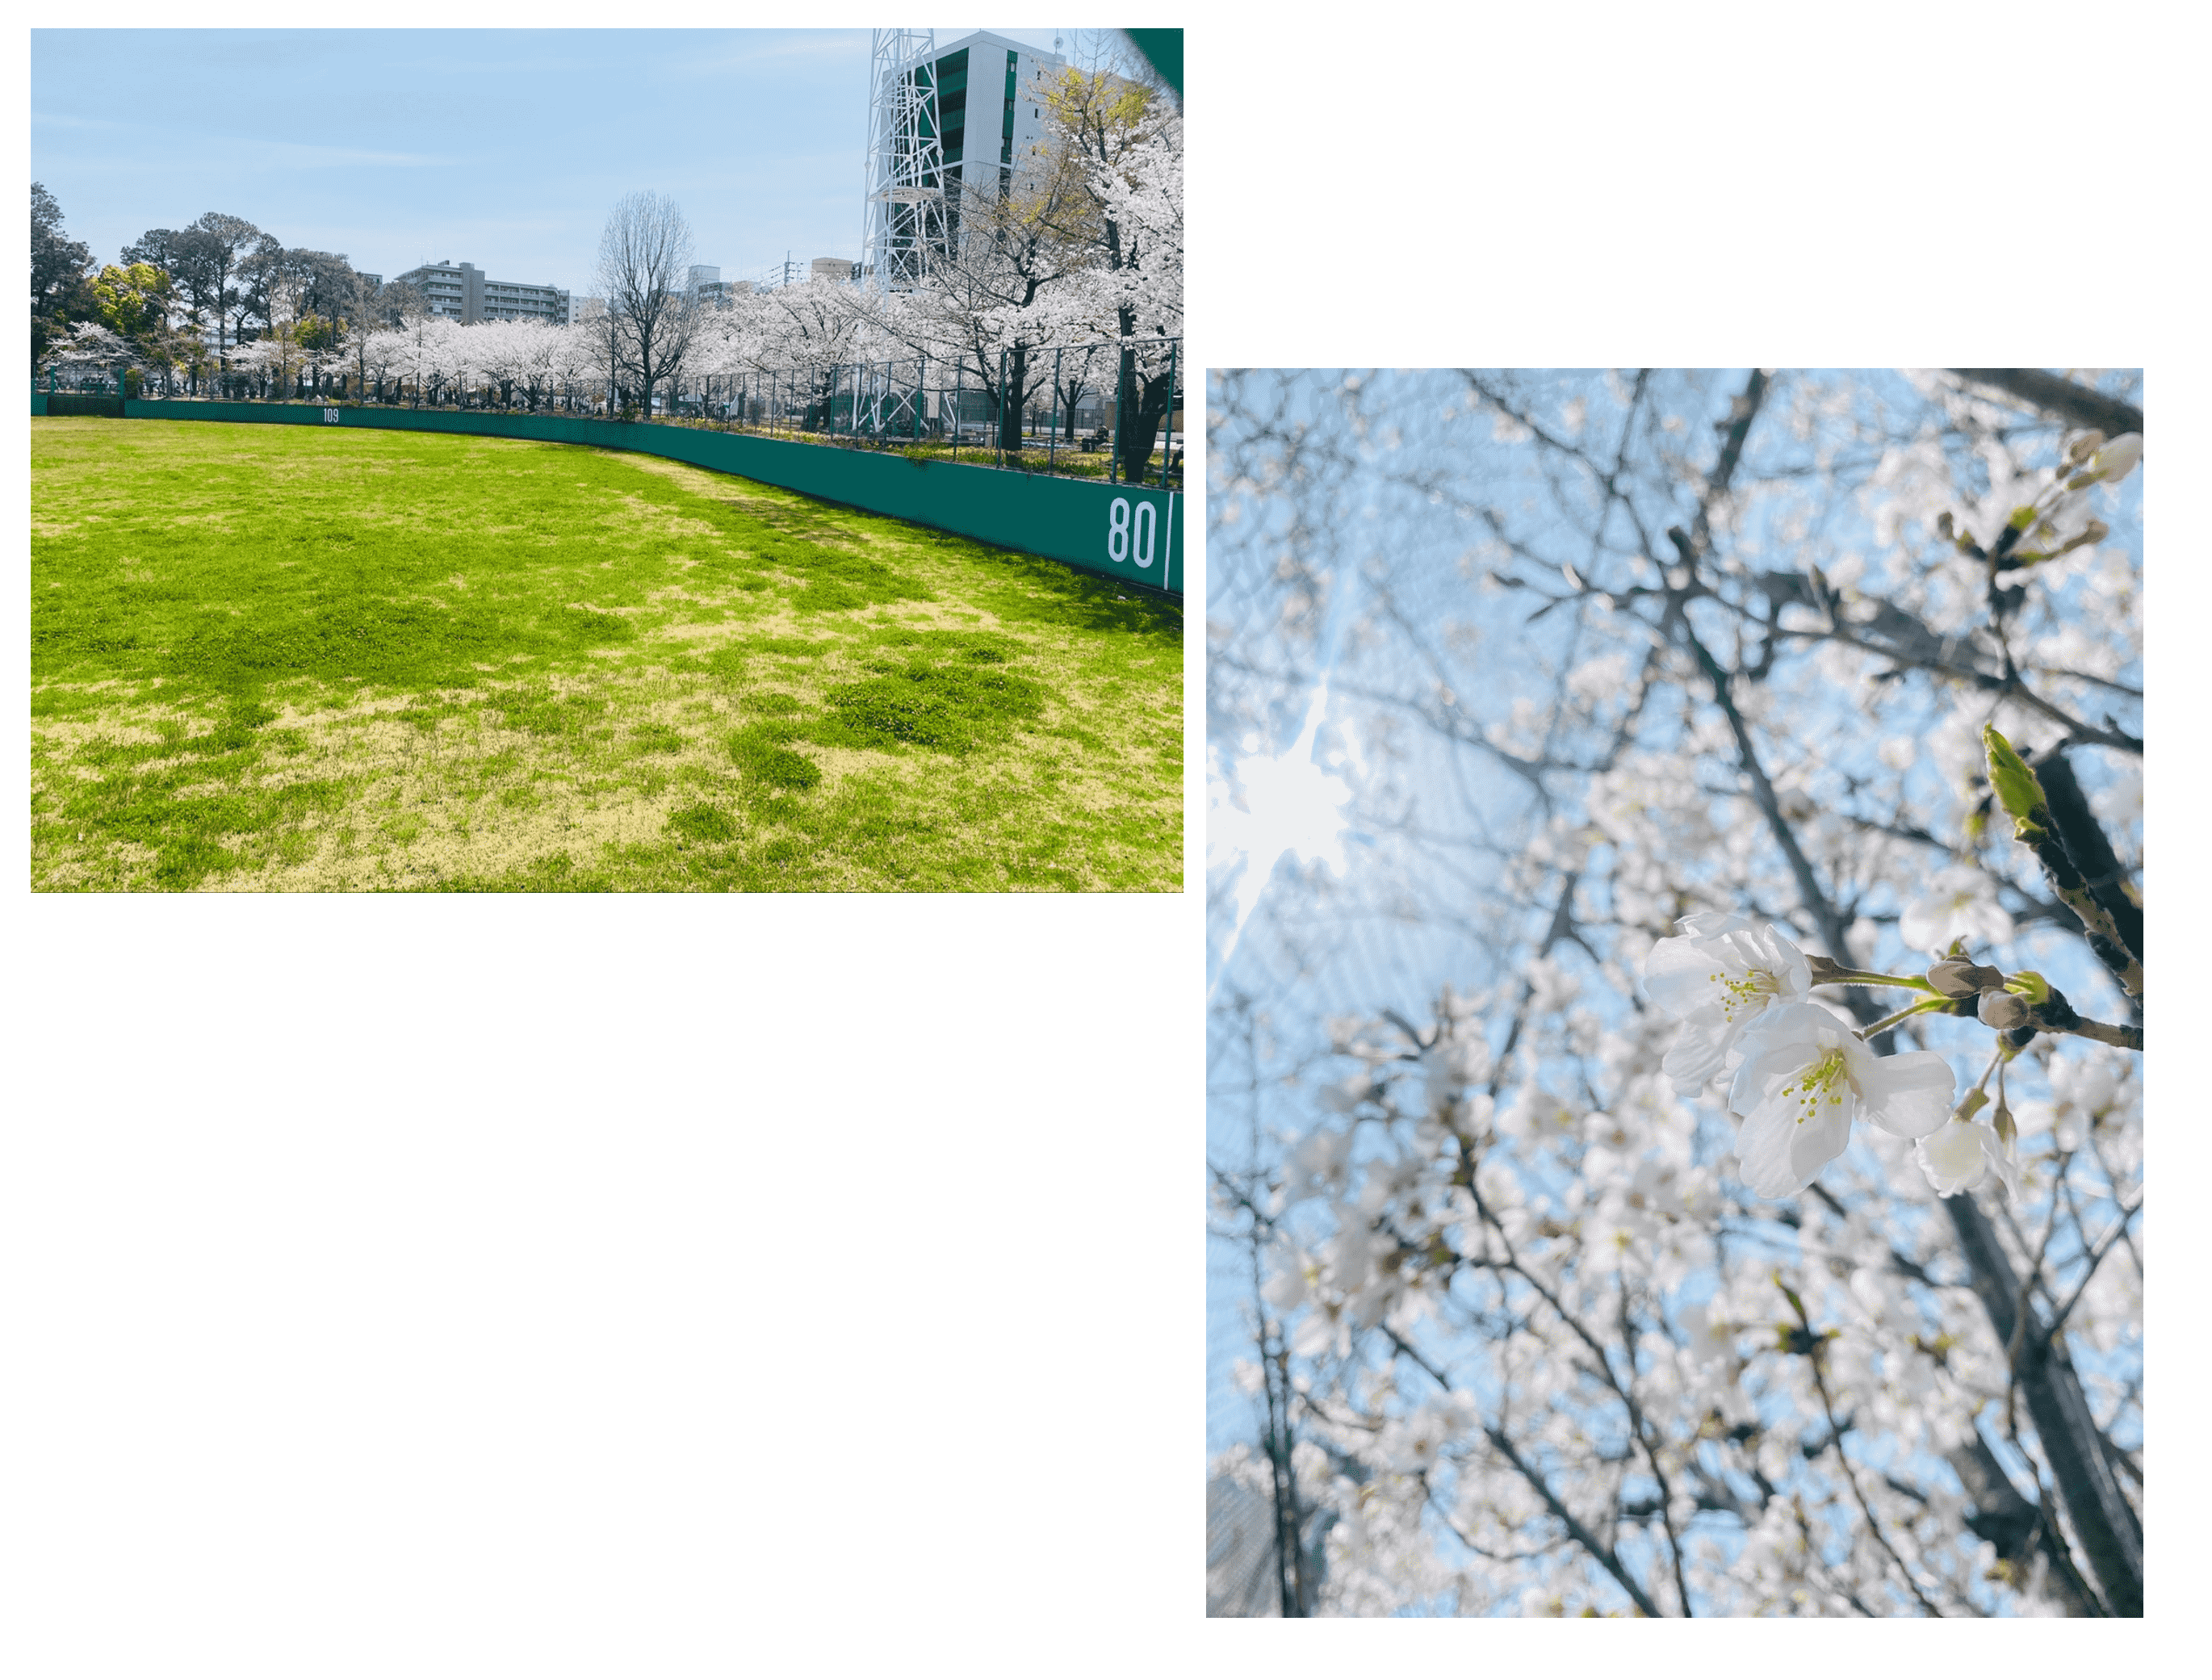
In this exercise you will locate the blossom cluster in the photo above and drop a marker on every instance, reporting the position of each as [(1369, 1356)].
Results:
[(1800, 1073)]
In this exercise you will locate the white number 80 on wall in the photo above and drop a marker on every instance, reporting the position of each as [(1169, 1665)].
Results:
[(1128, 537)]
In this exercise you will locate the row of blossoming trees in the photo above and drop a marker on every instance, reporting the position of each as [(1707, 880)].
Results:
[(775, 348), (1754, 1228)]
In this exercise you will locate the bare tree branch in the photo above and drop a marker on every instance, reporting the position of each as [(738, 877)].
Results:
[(644, 255)]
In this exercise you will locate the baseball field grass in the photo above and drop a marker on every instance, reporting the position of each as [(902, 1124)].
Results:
[(280, 659)]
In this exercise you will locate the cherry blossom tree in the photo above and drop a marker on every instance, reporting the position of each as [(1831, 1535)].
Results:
[(263, 362), (1686, 1161), (559, 362), (499, 355), (799, 333), (92, 345), (424, 352), (1119, 138)]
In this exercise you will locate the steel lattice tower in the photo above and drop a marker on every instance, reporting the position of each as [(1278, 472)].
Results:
[(905, 231)]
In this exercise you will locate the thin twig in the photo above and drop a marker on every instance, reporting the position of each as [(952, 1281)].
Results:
[(2096, 1259), (1851, 1475), (1589, 1542)]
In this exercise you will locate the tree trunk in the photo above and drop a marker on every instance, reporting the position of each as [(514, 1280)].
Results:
[(2109, 1531), (1011, 392), (1144, 403)]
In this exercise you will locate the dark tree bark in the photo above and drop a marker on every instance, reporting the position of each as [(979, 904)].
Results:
[(2059, 397)]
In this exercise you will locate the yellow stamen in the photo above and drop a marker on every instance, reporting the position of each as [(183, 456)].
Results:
[(1817, 1084), (1749, 993)]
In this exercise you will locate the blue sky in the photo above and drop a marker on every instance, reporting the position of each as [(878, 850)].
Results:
[(502, 148)]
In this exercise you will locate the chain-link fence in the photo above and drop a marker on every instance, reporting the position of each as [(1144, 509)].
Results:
[(1111, 409)]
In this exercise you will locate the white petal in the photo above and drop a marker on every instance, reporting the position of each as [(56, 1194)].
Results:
[(1759, 1071), (1678, 977), (1821, 1140), (1696, 1056), (1795, 973), (1707, 924), (1908, 1095), (1782, 1156), (1763, 1146), (1953, 1157), (1806, 1024)]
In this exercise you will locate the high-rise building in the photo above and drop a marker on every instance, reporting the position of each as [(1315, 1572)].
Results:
[(944, 121), (459, 291)]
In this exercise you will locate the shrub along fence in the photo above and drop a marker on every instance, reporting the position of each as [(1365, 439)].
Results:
[(1131, 532)]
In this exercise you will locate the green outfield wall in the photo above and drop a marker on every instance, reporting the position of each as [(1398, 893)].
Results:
[(1130, 532)]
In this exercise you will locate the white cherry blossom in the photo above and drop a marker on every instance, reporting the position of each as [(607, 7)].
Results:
[(1959, 903), (1959, 1156), (1805, 1077), (1716, 978)]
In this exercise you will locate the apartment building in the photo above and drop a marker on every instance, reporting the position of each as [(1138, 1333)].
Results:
[(461, 292), (708, 289)]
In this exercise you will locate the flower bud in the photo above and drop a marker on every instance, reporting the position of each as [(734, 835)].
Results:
[(1956, 1158), (2084, 447), (2015, 786), (1954, 977), (2117, 458), (2003, 1011)]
